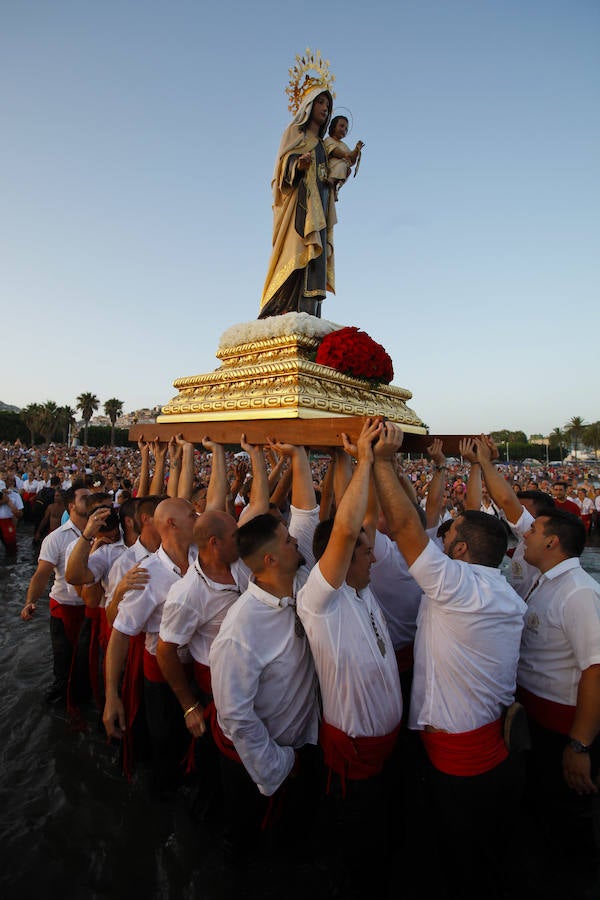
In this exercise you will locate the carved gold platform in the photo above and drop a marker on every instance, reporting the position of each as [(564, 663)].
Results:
[(268, 372)]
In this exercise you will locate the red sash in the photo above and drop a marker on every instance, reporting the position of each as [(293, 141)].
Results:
[(405, 658), (72, 618), (223, 743), (152, 670), (467, 753), (202, 677), (95, 614), (355, 758), (553, 716), (131, 695)]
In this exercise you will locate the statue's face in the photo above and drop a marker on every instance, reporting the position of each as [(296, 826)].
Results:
[(320, 109), (341, 130)]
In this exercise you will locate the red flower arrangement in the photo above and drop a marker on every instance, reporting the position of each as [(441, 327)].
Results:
[(352, 352)]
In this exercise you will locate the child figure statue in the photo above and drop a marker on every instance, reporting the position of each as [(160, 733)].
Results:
[(340, 157)]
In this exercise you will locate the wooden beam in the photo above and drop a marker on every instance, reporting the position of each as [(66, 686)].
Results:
[(316, 433)]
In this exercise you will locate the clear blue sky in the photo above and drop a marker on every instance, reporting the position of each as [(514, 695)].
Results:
[(138, 142)]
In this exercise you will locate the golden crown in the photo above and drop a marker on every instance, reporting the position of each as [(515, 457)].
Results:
[(316, 73)]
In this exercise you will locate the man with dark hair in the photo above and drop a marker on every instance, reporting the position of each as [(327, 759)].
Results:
[(561, 500), (520, 509), (358, 676), (262, 671), (559, 685), (66, 608), (466, 651)]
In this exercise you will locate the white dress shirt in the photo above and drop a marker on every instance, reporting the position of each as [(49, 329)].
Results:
[(467, 645), (264, 684), (354, 657), (561, 637)]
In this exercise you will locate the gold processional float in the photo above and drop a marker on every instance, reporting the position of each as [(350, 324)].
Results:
[(272, 380)]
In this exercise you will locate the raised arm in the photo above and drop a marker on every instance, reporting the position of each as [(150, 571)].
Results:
[(468, 451), (303, 489), (351, 510), (186, 478), (174, 467), (259, 492), (217, 485), (144, 476), (326, 504), (500, 490), (159, 451), (284, 486), (402, 518), (437, 485)]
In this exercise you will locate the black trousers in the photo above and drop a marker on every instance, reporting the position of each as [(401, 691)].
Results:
[(472, 821), (169, 738)]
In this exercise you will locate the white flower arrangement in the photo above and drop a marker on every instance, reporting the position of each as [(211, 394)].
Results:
[(276, 326)]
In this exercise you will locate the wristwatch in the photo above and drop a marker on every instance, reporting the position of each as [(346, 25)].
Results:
[(577, 747)]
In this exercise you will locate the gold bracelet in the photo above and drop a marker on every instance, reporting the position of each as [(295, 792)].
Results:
[(191, 709)]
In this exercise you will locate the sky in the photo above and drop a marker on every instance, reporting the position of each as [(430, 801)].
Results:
[(138, 144)]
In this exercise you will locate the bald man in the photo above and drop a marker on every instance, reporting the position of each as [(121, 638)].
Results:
[(141, 610)]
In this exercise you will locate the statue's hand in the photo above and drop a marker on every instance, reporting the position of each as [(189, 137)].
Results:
[(303, 162)]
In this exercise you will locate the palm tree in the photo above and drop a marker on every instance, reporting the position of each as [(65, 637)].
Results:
[(591, 436), (575, 428), (65, 417), (557, 438), (31, 416), (113, 409), (47, 424), (87, 403)]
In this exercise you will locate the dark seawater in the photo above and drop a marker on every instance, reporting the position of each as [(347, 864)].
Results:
[(70, 824)]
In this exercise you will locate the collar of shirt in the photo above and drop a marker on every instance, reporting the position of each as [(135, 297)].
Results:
[(168, 562), (216, 585), (269, 599), (565, 566), (70, 526)]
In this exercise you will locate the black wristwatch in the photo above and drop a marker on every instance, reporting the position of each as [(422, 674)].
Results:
[(577, 747)]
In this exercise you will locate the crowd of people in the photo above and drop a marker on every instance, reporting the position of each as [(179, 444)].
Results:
[(327, 645)]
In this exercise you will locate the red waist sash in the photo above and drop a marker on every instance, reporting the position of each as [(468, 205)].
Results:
[(469, 752), (131, 696), (202, 677), (553, 716), (355, 758), (223, 743), (152, 670), (95, 614), (72, 618)]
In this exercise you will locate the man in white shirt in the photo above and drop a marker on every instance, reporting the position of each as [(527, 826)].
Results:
[(11, 509), (66, 607), (358, 675), (559, 685), (262, 671), (466, 652), (141, 610)]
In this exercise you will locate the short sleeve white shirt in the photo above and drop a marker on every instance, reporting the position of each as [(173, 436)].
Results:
[(467, 645), (522, 575), (122, 564), (561, 637), (354, 657), (53, 550), (142, 610), (396, 590), (196, 607)]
